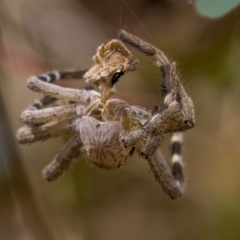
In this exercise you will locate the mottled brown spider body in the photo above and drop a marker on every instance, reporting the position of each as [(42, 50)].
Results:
[(106, 128), (102, 144)]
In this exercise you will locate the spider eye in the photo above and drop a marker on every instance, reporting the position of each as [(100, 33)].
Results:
[(116, 76)]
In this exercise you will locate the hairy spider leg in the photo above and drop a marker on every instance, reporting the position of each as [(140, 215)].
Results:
[(42, 103), (38, 115), (62, 75), (167, 68), (75, 95), (54, 121), (163, 174), (51, 77), (63, 159), (30, 133), (50, 114), (149, 137), (177, 158), (170, 178)]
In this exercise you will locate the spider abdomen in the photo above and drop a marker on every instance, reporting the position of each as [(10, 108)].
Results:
[(101, 142)]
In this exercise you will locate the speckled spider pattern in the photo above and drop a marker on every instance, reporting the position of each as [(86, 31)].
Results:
[(108, 129)]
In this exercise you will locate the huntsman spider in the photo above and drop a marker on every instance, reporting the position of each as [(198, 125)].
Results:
[(108, 129)]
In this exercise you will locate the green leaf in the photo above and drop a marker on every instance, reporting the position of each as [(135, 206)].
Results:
[(215, 8)]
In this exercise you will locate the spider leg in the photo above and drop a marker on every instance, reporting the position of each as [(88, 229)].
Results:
[(163, 174), (177, 159), (42, 103), (39, 104), (173, 117), (167, 120), (62, 75), (53, 121), (76, 95), (63, 159), (51, 114), (52, 77), (33, 133), (167, 68)]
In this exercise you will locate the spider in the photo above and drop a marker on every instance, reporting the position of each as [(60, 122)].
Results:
[(108, 129)]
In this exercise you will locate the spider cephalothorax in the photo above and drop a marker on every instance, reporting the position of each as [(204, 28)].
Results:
[(109, 130)]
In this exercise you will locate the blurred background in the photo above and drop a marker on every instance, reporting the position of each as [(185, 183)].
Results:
[(93, 204)]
